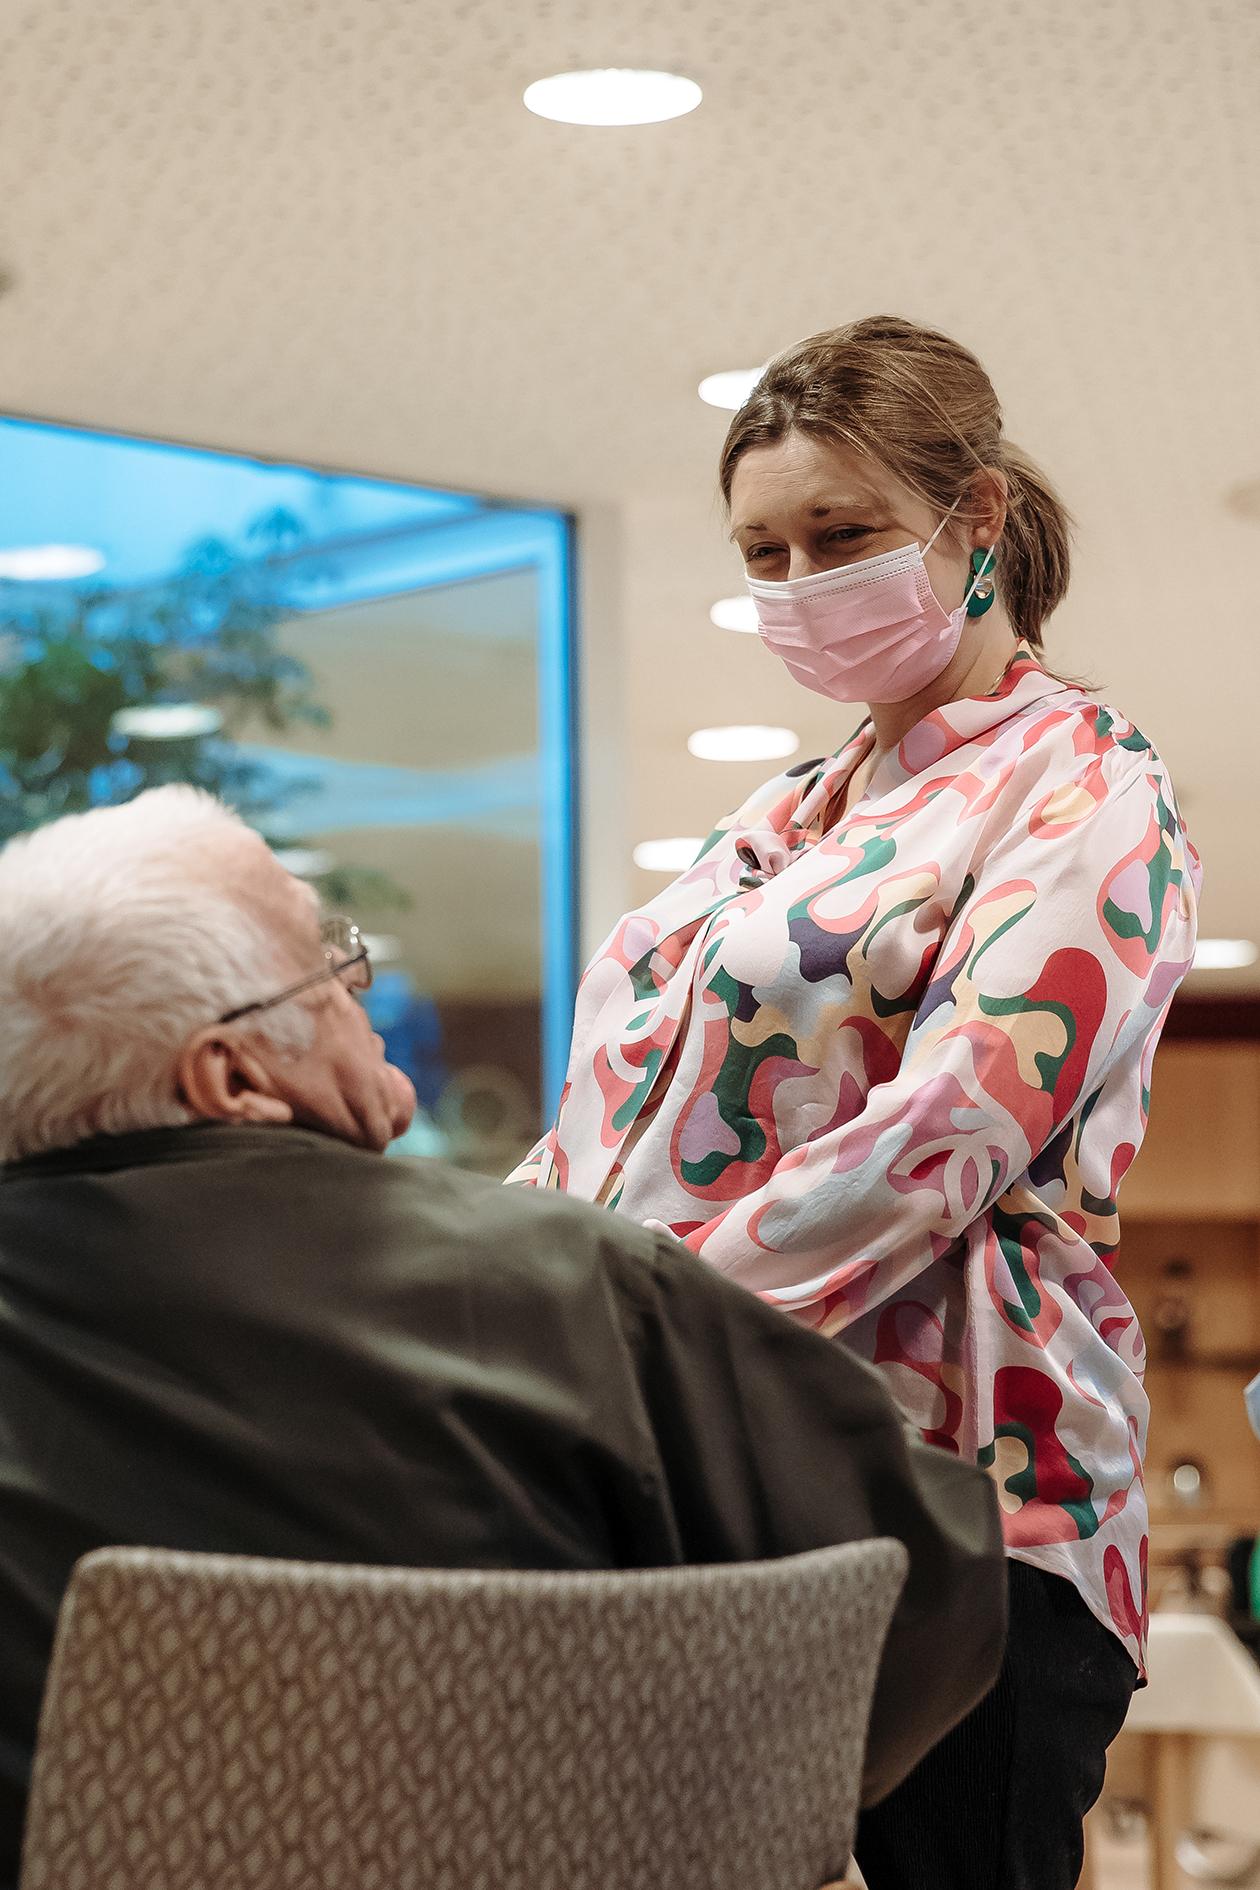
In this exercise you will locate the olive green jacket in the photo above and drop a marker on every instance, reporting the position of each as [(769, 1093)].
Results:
[(261, 1341)]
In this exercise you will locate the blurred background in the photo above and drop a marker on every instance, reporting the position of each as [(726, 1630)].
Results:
[(353, 462), (378, 675)]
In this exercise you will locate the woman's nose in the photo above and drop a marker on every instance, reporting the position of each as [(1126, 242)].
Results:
[(802, 563)]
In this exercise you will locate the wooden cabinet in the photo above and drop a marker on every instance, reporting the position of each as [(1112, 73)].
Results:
[(1190, 1262), (1201, 1155)]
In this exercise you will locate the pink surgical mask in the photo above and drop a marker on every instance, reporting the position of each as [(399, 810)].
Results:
[(867, 632)]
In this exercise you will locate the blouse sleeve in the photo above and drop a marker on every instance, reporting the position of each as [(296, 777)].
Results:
[(1055, 972), (527, 1171)]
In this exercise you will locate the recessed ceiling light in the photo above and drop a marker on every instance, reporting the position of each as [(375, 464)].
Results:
[(750, 741), (667, 856), (167, 721), (612, 96), (382, 947), (734, 613), (731, 387), (34, 564), (1224, 954), (305, 862)]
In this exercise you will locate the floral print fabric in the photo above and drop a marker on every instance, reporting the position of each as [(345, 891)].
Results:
[(889, 1068)]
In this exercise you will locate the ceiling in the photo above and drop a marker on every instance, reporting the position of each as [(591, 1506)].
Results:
[(332, 233)]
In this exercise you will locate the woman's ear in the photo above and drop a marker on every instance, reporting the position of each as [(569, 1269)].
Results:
[(987, 500), (221, 1080)]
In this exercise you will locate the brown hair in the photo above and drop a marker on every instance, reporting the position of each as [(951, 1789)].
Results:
[(923, 407)]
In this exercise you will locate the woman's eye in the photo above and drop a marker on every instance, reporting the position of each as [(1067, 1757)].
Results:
[(847, 534), (760, 551)]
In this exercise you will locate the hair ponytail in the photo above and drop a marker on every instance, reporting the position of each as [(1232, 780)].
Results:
[(1034, 552)]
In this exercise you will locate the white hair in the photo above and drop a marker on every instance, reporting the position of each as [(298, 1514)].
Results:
[(119, 937)]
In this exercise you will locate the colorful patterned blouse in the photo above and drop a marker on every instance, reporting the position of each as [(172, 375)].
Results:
[(889, 1068)]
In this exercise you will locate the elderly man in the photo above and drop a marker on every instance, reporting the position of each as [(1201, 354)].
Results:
[(226, 1323)]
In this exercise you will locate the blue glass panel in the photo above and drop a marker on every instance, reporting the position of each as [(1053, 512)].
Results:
[(334, 543)]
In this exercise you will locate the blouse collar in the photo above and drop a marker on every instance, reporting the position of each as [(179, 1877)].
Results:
[(1023, 682)]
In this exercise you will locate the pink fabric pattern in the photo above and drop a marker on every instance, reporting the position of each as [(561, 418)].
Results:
[(888, 1070)]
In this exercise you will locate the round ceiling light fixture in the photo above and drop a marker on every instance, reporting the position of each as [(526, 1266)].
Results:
[(42, 564), (612, 95), (730, 388), (734, 613), (382, 947), (744, 741), (667, 856), (305, 862), (166, 721), (1224, 954)]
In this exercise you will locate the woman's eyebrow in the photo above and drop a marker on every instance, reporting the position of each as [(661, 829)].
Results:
[(855, 507), (864, 507)]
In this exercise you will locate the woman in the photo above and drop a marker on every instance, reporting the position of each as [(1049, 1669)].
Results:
[(882, 1053)]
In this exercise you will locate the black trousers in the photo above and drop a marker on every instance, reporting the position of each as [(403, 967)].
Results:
[(999, 1803)]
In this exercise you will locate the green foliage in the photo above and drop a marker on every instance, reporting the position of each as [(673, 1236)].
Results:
[(361, 889), (207, 635)]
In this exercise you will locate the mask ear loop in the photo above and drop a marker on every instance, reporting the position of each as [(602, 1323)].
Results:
[(980, 567), (940, 528)]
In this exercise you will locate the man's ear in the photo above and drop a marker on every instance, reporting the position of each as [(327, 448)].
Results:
[(221, 1080)]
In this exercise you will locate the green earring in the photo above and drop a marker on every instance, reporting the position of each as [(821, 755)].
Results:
[(982, 578)]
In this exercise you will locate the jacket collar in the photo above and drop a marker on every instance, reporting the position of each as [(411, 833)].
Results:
[(146, 1147)]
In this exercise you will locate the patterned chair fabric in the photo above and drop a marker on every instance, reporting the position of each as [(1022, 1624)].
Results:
[(224, 1723)]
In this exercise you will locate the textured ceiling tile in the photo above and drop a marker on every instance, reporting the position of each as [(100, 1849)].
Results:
[(312, 229)]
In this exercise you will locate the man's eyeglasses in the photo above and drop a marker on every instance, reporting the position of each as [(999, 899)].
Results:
[(345, 951)]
